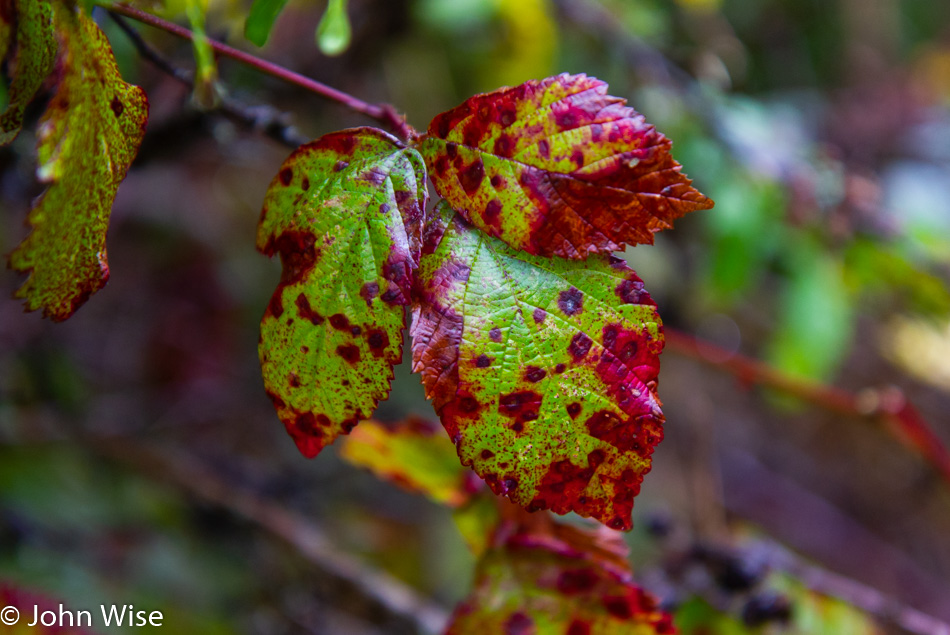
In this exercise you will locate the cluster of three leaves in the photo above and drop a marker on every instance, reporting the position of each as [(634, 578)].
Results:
[(538, 348)]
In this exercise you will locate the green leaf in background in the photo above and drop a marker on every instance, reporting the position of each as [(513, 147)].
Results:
[(345, 213), (817, 313), (261, 20), (414, 454), (547, 578), (543, 371), (87, 138), (333, 32), (206, 69), (36, 39)]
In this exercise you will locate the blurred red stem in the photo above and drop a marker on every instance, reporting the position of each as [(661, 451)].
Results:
[(888, 405), (383, 113)]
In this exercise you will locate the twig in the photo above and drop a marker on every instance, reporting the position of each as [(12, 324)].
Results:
[(887, 405), (385, 591), (264, 119), (812, 526), (383, 113)]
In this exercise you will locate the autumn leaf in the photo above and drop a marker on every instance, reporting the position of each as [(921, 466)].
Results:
[(414, 454), (87, 138), (344, 213), (35, 37), (546, 578), (558, 167), (543, 371)]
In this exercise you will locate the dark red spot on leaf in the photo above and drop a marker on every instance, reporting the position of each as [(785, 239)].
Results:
[(349, 352), (534, 374), (483, 361), (498, 182), (305, 311), (378, 342), (341, 165), (369, 291), (578, 627), (286, 176), (573, 409), (539, 315), (618, 606), (519, 624), (574, 581), (571, 302), (580, 346), (487, 454), (522, 405), (117, 107), (493, 213), (339, 322), (495, 334), (472, 176), (305, 184)]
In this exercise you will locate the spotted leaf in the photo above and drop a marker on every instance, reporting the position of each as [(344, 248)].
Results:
[(87, 138), (558, 167), (35, 37), (543, 371), (555, 580), (344, 213)]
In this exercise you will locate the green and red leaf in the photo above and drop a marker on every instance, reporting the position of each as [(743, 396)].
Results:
[(87, 138), (35, 38), (558, 167), (344, 213), (543, 371), (549, 579)]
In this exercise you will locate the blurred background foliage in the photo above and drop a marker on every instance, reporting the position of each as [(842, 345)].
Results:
[(821, 130)]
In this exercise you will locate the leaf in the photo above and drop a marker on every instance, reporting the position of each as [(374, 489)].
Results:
[(36, 39), (413, 454), (557, 579), (543, 371), (261, 20), (344, 212), (557, 168), (87, 138), (817, 316), (333, 32)]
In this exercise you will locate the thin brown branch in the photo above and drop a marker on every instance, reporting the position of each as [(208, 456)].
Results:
[(887, 405), (264, 119), (385, 114), (378, 587)]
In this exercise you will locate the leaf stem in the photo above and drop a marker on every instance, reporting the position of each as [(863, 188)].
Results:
[(383, 113), (888, 405)]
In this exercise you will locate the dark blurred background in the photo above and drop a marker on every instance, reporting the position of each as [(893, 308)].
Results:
[(822, 131)]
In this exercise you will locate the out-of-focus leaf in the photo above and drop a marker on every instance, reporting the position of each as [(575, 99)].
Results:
[(815, 324), (744, 233), (558, 167), (344, 212), (882, 270), (206, 75), (414, 454), (36, 43), (476, 521), (544, 578), (261, 20), (921, 348), (7, 28), (87, 138), (527, 46), (543, 371), (333, 32)]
